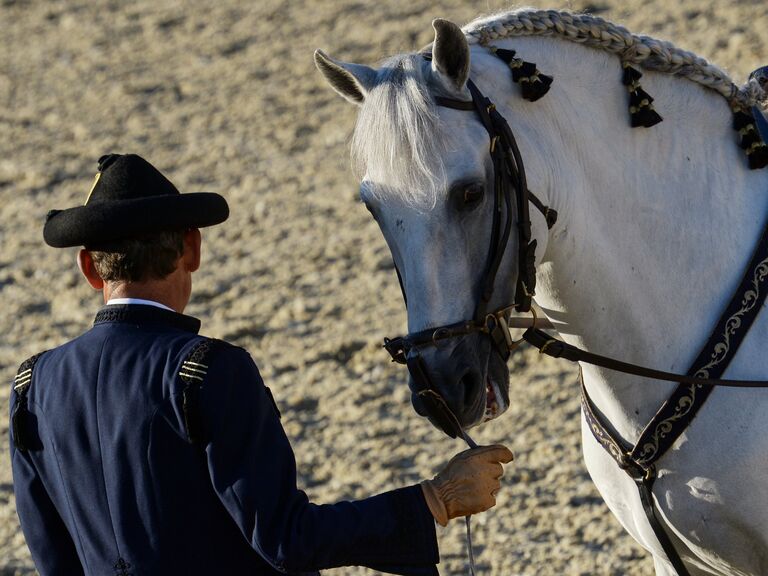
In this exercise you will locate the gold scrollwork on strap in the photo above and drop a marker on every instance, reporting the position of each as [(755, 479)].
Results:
[(720, 353), (604, 439)]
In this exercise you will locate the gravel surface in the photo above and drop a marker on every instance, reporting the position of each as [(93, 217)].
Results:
[(224, 97)]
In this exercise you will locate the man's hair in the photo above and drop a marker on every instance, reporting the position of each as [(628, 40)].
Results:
[(150, 257)]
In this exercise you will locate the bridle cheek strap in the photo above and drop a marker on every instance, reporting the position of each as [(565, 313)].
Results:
[(509, 184), (509, 176)]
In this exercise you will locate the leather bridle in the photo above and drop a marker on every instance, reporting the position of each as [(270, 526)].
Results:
[(509, 185), (509, 180)]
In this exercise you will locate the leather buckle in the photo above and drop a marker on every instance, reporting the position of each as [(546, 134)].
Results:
[(635, 470), (397, 349)]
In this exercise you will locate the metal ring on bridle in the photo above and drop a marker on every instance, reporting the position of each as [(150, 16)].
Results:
[(487, 323), (517, 342), (440, 334)]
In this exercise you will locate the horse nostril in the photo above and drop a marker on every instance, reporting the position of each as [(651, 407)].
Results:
[(470, 383)]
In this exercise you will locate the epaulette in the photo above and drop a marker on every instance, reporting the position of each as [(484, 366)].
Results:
[(192, 371), (19, 418)]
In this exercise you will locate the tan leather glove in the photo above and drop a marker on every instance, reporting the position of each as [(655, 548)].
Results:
[(468, 484)]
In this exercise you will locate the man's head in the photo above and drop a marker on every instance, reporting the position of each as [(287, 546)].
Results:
[(153, 267), (141, 236), (150, 257)]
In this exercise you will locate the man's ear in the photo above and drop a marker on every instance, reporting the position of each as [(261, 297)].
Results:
[(85, 263), (190, 259)]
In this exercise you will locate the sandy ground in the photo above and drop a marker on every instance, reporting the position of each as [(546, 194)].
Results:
[(224, 96)]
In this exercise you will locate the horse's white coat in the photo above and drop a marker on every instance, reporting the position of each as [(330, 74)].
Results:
[(655, 229)]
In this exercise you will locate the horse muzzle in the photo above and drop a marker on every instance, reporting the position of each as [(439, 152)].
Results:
[(458, 384)]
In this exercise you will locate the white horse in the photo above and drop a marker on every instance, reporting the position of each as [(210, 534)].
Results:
[(655, 228)]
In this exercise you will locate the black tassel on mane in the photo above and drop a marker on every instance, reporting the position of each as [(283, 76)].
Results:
[(533, 83), (750, 139), (641, 110)]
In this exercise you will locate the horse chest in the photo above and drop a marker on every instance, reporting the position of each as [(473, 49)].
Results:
[(711, 490)]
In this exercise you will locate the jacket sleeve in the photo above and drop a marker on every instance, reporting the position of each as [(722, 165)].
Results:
[(253, 470), (48, 539)]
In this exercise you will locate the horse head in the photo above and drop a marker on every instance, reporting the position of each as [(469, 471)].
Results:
[(429, 181)]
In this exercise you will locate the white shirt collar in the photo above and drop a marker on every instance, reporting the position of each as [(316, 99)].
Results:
[(114, 301)]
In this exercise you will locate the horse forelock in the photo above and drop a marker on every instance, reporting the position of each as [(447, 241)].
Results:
[(397, 142)]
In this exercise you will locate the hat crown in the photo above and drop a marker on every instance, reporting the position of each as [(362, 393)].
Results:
[(128, 177)]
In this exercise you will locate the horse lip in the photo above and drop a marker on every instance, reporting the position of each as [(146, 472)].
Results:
[(499, 402)]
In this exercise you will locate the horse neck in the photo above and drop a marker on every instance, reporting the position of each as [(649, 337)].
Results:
[(655, 225)]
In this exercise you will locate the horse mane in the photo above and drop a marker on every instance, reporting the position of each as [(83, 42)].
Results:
[(645, 51), (398, 137)]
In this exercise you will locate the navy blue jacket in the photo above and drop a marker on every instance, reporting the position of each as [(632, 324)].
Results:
[(110, 484)]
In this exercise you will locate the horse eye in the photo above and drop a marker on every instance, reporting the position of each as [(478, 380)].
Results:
[(469, 197)]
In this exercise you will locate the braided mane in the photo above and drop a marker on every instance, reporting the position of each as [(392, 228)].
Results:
[(649, 53), (399, 139)]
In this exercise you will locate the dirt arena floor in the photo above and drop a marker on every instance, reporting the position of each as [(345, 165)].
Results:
[(224, 96)]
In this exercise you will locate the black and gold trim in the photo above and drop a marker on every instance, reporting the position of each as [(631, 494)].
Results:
[(750, 138), (193, 370), (641, 111), (682, 406), (676, 414), (23, 440), (533, 83)]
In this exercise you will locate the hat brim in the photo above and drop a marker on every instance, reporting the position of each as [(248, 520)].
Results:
[(104, 222)]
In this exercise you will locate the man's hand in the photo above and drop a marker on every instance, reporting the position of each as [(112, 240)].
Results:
[(468, 484)]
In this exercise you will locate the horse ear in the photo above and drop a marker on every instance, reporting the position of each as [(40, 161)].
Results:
[(450, 55), (352, 81)]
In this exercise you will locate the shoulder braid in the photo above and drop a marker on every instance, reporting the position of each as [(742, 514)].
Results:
[(23, 438)]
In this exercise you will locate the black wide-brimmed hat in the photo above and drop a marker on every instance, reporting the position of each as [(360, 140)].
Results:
[(128, 199)]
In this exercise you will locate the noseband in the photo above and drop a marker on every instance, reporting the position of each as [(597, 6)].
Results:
[(509, 185)]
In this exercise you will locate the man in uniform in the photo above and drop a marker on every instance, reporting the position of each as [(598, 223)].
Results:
[(142, 448)]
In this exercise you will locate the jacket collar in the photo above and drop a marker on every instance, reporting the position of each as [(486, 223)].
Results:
[(143, 314)]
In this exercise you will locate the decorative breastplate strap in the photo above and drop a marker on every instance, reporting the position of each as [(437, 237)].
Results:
[(19, 418), (193, 371), (687, 399), (639, 461)]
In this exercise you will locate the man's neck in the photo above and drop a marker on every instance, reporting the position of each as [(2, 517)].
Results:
[(154, 291), (142, 301)]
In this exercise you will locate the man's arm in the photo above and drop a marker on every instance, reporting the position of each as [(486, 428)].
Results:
[(253, 470), (48, 539)]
